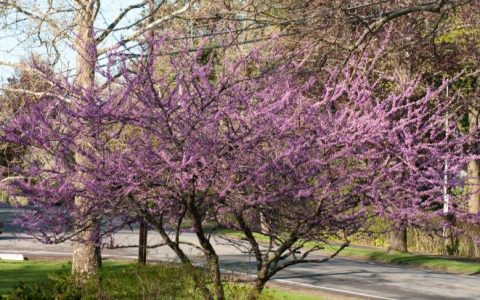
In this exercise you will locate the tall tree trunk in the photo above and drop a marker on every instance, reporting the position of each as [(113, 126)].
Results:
[(473, 170), (398, 239), (86, 258)]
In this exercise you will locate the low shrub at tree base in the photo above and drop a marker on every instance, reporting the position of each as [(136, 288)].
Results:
[(159, 281)]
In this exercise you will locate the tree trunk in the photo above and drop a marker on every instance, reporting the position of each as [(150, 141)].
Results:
[(142, 243), (86, 258), (398, 239), (473, 169), (211, 255), (217, 279), (473, 183), (262, 278)]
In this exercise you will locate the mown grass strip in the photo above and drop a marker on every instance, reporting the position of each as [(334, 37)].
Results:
[(429, 262)]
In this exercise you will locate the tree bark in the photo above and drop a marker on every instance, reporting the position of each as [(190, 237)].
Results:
[(398, 239), (86, 258)]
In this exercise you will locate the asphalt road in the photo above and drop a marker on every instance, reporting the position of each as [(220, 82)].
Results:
[(351, 277)]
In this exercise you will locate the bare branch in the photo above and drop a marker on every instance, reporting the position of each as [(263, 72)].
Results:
[(117, 20), (39, 94), (150, 26), (23, 91), (389, 16), (40, 19)]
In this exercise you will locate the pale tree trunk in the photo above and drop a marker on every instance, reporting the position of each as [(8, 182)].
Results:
[(86, 258), (474, 170), (398, 239)]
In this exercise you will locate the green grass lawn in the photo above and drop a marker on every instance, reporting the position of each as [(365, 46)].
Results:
[(431, 262), (11, 273), (119, 274)]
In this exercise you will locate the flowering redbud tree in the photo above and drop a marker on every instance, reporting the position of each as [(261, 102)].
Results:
[(241, 142), (325, 165)]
